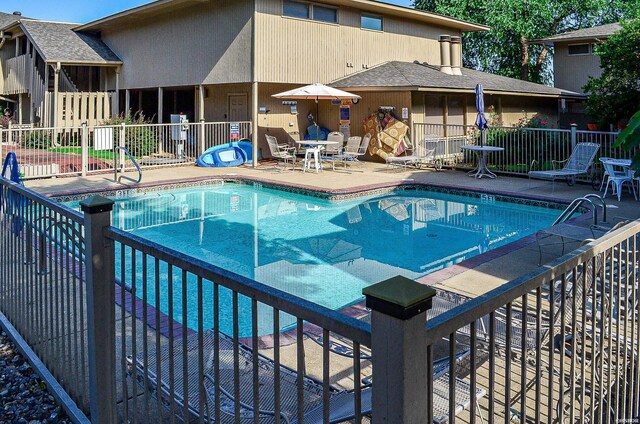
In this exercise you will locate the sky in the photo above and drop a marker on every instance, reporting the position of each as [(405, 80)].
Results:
[(82, 11)]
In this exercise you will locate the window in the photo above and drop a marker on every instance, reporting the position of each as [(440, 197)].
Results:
[(577, 49), (371, 22), (296, 9), (325, 14)]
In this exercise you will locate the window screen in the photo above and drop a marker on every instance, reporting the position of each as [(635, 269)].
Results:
[(295, 9), (371, 22)]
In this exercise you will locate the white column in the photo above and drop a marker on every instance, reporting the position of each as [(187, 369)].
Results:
[(254, 122), (20, 106), (56, 83), (160, 101), (46, 107), (116, 101), (201, 102), (127, 101)]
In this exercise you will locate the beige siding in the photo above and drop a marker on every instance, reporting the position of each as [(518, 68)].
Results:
[(303, 51), (216, 103), (514, 108), (207, 44), (573, 72)]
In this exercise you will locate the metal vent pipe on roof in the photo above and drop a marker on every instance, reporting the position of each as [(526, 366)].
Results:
[(456, 55), (445, 54), (17, 13)]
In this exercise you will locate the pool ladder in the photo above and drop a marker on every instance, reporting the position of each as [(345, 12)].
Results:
[(573, 207), (116, 165)]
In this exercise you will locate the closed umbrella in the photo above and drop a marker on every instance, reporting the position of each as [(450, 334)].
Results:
[(316, 92), (481, 119)]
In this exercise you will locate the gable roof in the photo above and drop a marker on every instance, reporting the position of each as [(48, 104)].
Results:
[(372, 6), (9, 18), (57, 42), (417, 76), (597, 32)]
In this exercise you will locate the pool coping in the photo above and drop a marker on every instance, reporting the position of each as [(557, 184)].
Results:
[(357, 309)]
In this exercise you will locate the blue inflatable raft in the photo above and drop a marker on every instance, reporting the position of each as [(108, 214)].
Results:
[(229, 154)]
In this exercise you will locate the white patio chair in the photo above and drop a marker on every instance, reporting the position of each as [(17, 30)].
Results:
[(331, 150), (350, 152), (579, 163), (364, 146), (616, 179), (281, 152)]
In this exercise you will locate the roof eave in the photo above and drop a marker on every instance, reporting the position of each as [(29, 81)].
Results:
[(366, 5), (461, 91), (84, 62), (562, 40), (158, 4)]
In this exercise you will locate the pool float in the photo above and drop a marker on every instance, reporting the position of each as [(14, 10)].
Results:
[(229, 154)]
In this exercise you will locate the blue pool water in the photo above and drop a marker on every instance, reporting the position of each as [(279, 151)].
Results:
[(323, 251)]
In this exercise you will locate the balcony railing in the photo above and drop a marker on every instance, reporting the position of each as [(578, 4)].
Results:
[(18, 74)]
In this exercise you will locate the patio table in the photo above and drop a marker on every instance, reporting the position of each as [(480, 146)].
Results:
[(481, 155), (314, 149)]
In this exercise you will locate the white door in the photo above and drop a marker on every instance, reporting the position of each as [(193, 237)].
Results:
[(238, 108)]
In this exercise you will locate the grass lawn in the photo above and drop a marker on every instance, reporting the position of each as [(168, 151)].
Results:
[(97, 154)]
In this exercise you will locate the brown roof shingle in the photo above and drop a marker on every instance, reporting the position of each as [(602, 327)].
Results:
[(417, 75), (597, 32), (57, 42)]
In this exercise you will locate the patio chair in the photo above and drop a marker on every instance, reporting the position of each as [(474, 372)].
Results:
[(579, 163), (616, 179), (331, 150), (170, 393), (281, 152), (350, 152)]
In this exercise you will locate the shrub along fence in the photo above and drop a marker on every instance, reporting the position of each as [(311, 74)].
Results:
[(525, 149), (83, 150)]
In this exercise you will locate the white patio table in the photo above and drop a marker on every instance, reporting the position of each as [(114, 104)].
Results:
[(481, 155), (314, 149)]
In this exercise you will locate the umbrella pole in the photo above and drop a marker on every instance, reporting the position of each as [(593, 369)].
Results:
[(483, 138), (317, 117)]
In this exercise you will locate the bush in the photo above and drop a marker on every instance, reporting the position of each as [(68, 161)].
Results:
[(36, 140), (140, 141)]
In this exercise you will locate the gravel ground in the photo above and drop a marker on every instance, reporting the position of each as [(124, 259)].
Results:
[(24, 398)]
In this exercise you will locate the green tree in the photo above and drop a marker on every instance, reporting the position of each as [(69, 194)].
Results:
[(507, 49), (615, 95)]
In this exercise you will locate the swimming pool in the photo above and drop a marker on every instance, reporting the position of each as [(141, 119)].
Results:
[(321, 250)]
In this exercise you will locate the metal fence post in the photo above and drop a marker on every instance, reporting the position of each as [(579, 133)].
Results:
[(84, 147), (201, 137), (100, 275), (399, 347), (9, 134), (574, 136), (122, 143)]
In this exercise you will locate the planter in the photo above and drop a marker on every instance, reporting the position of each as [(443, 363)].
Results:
[(592, 127)]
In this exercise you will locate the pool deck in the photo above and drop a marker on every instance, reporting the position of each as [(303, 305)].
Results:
[(472, 277), (478, 275)]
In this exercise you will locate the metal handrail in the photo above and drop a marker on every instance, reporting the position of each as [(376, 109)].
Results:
[(116, 165), (574, 207), (601, 200)]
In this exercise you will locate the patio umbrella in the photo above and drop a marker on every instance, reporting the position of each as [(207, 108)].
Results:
[(316, 92), (481, 119)]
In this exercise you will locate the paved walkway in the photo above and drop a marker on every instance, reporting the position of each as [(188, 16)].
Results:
[(477, 279)]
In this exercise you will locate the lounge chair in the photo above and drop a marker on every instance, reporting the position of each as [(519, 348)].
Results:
[(281, 152), (170, 394), (423, 153), (579, 163)]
